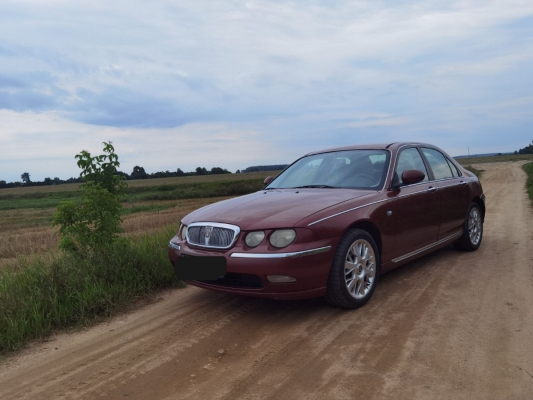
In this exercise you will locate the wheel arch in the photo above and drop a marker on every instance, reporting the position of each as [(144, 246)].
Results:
[(372, 230), (481, 205)]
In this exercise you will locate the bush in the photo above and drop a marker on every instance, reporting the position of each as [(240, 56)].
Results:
[(96, 221), (477, 172)]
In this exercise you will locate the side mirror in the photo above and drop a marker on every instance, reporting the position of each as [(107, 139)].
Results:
[(412, 176), (269, 179)]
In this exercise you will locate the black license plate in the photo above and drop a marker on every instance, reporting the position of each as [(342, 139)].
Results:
[(200, 267)]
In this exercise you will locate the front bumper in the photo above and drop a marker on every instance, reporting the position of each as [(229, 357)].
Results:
[(309, 264)]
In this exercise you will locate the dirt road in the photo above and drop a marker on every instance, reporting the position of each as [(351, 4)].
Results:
[(451, 325)]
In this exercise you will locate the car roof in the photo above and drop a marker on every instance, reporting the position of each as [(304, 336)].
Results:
[(371, 146)]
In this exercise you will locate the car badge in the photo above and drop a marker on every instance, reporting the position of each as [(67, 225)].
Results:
[(208, 230)]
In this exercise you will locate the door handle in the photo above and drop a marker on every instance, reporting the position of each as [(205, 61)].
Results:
[(432, 189), (462, 183)]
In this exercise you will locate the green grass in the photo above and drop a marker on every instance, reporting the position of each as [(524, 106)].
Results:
[(147, 208), (477, 172), (195, 190), (38, 297), (134, 194), (491, 159), (36, 200), (529, 183)]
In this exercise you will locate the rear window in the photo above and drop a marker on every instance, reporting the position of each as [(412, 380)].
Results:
[(439, 165)]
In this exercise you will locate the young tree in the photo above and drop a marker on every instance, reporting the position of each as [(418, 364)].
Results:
[(179, 172), (92, 225)]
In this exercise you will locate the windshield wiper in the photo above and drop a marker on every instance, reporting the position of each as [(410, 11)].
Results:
[(316, 186)]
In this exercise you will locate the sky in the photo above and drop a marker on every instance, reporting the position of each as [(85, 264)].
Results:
[(182, 84)]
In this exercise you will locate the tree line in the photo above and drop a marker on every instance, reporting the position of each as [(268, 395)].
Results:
[(137, 173), (525, 150)]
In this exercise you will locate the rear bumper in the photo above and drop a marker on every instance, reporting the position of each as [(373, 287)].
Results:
[(309, 264)]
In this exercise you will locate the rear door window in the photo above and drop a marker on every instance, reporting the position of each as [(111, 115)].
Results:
[(438, 163)]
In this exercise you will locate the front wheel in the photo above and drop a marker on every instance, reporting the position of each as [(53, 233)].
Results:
[(472, 230), (354, 271)]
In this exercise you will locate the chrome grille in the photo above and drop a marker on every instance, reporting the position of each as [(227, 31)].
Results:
[(212, 235)]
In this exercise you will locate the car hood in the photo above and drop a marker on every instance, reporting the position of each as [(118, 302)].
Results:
[(272, 208)]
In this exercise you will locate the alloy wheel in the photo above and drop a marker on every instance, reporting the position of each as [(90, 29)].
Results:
[(360, 269), (474, 226)]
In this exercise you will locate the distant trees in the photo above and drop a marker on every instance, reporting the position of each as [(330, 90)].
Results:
[(138, 173), (25, 178), (526, 150), (238, 171), (260, 168), (218, 170)]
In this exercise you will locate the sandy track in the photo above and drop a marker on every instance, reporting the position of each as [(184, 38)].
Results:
[(451, 325)]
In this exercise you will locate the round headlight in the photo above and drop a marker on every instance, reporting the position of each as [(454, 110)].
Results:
[(253, 239), (282, 238), (184, 233)]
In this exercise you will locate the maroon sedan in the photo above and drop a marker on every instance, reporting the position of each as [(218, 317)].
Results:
[(335, 220)]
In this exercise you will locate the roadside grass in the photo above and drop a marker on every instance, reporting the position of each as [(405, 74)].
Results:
[(477, 172), (43, 295), (529, 184), (491, 159)]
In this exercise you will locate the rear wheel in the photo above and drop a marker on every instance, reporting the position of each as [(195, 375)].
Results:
[(472, 230), (354, 271)]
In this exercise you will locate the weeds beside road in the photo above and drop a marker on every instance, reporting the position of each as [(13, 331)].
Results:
[(41, 296), (529, 184)]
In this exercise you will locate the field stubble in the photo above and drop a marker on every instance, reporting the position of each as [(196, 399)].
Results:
[(27, 232)]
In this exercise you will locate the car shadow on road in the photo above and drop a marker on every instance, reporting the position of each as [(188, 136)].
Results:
[(405, 277)]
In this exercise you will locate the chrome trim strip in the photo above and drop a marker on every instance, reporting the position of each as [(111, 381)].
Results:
[(174, 246), (413, 253), (418, 192), (389, 170), (234, 228), (351, 209), (282, 255)]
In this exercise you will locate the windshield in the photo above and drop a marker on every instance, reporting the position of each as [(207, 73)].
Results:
[(358, 169)]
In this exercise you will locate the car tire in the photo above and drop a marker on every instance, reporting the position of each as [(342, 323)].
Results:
[(353, 287), (472, 230)]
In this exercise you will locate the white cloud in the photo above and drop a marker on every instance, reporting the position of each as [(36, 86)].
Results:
[(265, 75)]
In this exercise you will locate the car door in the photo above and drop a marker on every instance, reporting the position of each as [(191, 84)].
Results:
[(416, 207), (453, 189)]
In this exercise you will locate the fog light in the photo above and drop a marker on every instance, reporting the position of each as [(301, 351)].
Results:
[(280, 278)]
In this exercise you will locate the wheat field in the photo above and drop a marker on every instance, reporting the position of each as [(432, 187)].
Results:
[(28, 232)]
